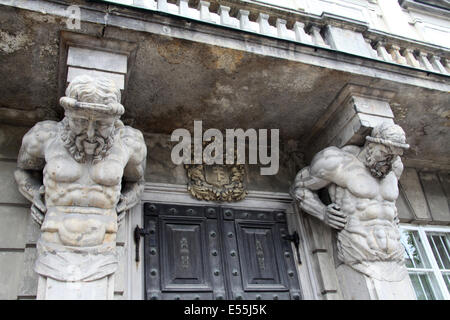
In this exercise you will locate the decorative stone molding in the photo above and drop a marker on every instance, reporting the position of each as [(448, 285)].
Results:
[(299, 27), (217, 182)]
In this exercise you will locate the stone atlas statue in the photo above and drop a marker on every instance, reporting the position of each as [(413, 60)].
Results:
[(81, 175), (362, 186)]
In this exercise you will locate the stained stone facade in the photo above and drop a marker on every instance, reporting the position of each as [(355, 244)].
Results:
[(334, 76)]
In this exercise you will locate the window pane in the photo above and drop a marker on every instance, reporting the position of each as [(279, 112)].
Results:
[(446, 277), (415, 256), (439, 243), (425, 286)]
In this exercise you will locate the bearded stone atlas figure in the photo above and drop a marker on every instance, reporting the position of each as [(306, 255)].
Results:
[(362, 185), (93, 171)]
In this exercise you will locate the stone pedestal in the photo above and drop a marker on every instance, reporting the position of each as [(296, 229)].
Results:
[(357, 286), (51, 289)]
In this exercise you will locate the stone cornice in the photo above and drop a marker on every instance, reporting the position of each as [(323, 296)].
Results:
[(297, 26), (438, 8)]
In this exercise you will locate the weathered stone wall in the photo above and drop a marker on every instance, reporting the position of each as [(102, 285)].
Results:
[(161, 169), (14, 217)]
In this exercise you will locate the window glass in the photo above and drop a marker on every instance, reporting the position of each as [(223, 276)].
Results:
[(439, 243), (415, 256), (427, 258), (447, 280), (425, 285)]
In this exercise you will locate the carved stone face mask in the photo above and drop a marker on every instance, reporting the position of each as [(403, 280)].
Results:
[(81, 143)]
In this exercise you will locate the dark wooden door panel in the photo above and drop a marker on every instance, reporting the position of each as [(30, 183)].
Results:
[(259, 248), (207, 252), (184, 255)]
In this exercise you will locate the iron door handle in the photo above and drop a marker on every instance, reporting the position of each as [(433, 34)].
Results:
[(294, 237)]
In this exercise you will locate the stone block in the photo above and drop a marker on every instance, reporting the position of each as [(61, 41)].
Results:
[(354, 132), (352, 119), (96, 59), (372, 106), (329, 281), (352, 283), (347, 41), (436, 198), (10, 265), (119, 79), (28, 281), (414, 194), (393, 290), (13, 225), (90, 290), (8, 188)]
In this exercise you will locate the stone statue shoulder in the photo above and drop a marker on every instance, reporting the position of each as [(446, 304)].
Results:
[(325, 164), (397, 167), (134, 141), (32, 152)]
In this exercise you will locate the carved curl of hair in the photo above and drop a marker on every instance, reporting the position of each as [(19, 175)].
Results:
[(87, 89)]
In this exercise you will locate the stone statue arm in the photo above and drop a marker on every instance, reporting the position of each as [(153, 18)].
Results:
[(312, 178), (397, 167), (133, 178), (31, 161)]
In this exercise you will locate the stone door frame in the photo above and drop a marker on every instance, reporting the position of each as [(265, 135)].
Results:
[(257, 200)]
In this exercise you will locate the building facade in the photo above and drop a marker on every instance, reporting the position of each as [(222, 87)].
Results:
[(322, 72)]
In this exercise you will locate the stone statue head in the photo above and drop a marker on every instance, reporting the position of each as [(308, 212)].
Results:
[(384, 145), (92, 112)]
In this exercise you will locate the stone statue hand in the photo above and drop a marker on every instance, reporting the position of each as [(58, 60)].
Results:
[(334, 217), (38, 208)]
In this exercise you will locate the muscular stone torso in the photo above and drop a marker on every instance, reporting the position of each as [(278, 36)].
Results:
[(81, 197), (369, 203), (69, 183)]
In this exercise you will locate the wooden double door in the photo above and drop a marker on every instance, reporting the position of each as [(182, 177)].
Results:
[(215, 252)]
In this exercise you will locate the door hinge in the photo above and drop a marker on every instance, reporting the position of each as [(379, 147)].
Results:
[(296, 240), (138, 233)]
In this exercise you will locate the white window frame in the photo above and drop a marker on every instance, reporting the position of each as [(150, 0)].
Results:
[(421, 230)]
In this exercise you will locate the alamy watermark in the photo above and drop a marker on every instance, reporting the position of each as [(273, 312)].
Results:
[(208, 147)]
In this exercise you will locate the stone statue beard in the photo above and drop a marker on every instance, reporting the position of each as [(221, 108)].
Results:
[(75, 145), (378, 169)]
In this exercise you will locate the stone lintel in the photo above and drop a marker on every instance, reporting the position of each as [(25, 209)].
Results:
[(350, 117)]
